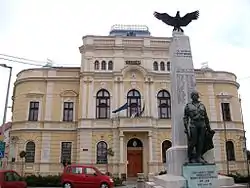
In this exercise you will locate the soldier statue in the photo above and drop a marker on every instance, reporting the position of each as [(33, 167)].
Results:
[(198, 130)]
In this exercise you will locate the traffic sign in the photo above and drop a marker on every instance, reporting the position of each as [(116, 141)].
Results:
[(2, 149)]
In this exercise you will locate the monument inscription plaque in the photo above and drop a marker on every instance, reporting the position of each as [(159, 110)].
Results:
[(201, 176)]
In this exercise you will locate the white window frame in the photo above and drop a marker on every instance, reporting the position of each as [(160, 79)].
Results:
[(72, 146), (68, 99), (68, 96), (34, 97)]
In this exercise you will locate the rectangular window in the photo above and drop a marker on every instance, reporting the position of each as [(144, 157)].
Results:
[(33, 111), (68, 110), (66, 151), (226, 114)]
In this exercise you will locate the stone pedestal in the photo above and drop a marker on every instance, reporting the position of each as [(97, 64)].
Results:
[(200, 176)]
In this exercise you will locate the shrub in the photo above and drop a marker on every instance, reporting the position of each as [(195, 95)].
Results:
[(163, 172), (117, 181), (43, 181), (55, 181), (238, 178)]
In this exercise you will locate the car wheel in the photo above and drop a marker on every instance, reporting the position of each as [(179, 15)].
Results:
[(67, 185), (104, 185)]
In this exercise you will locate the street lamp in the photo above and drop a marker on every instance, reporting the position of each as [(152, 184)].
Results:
[(225, 135), (7, 93), (244, 138)]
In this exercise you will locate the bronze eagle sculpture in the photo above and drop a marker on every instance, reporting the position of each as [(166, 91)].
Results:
[(177, 22)]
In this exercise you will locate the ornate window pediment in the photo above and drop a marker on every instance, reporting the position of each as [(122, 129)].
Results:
[(68, 93), (34, 95)]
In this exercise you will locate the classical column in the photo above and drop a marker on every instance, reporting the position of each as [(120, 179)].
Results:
[(123, 98), (121, 147), (49, 101), (146, 99), (153, 100), (45, 152), (115, 98), (83, 99), (91, 101), (150, 146)]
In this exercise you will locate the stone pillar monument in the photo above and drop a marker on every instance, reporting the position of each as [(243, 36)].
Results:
[(182, 84)]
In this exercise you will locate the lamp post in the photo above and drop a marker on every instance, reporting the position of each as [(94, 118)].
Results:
[(7, 93), (225, 135), (245, 144)]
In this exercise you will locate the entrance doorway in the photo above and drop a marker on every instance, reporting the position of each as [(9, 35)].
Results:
[(134, 157)]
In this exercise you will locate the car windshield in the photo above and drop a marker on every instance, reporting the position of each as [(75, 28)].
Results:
[(98, 171)]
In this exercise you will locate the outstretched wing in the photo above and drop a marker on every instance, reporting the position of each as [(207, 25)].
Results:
[(185, 20), (169, 20)]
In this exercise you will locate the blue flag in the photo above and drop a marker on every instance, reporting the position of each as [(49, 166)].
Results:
[(124, 107)]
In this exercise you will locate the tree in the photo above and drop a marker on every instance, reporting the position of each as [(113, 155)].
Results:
[(248, 155)]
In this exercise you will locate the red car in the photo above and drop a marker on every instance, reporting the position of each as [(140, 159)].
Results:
[(85, 176), (11, 179)]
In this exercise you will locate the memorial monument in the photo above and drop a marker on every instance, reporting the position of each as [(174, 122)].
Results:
[(191, 131)]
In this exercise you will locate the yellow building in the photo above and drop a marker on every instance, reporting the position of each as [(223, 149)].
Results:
[(65, 113)]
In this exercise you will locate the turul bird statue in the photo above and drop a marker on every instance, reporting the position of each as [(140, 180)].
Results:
[(177, 22)]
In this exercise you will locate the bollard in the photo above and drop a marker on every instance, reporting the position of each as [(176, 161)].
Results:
[(140, 180), (150, 177)]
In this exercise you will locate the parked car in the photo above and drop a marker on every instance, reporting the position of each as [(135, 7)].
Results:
[(85, 176), (11, 179)]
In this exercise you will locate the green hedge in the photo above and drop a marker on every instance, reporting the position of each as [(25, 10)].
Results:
[(54, 181), (238, 178), (43, 181)]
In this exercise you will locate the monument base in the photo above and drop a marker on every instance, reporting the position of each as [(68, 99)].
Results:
[(176, 157), (198, 175), (194, 176)]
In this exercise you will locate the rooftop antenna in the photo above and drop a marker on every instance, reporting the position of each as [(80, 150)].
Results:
[(49, 63), (204, 65)]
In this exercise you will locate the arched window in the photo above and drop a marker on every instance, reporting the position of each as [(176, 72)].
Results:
[(230, 151), (162, 66), (97, 65), (134, 102), (102, 104), (110, 65), (155, 66), (168, 66), (30, 152), (164, 104), (101, 153), (103, 65), (164, 147)]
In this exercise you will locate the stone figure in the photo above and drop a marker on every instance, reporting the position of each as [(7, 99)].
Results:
[(177, 22), (198, 130)]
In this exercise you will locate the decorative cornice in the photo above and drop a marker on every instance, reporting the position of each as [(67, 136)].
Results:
[(68, 93), (34, 94), (43, 129), (102, 75)]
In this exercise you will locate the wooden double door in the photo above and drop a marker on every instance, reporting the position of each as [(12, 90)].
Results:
[(135, 164)]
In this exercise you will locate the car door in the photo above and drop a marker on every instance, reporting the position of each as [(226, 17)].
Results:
[(76, 177), (20, 183), (9, 180), (91, 178)]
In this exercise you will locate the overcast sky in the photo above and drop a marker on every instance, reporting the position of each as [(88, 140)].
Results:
[(41, 29)]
